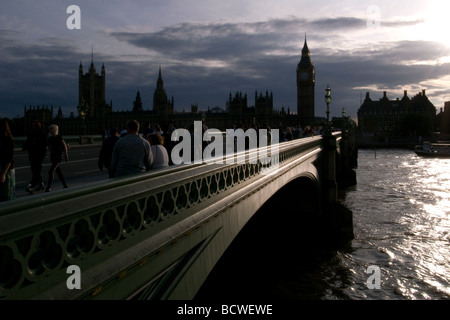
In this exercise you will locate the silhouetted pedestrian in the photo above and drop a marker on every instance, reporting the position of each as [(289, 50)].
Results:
[(7, 172), (104, 158), (147, 129), (36, 145), (158, 130), (288, 134), (168, 143), (58, 148), (297, 133)]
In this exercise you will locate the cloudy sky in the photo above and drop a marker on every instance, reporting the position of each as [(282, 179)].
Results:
[(209, 48)]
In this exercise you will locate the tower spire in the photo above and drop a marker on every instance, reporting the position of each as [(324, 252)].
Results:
[(160, 82), (305, 50), (92, 68), (306, 56)]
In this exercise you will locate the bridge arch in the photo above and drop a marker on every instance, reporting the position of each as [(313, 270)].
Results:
[(292, 213), (277, 234), (292, 210)]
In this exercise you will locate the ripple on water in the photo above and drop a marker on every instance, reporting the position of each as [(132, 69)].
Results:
[(401, 212)]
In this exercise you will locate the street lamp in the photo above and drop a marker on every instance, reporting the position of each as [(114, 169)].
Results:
[(328, 102), (82, 111)]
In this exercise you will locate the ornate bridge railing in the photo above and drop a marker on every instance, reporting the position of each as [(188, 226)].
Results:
[(108, 229)]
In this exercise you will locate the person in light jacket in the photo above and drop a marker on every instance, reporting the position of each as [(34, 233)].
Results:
[(159, 152), (131, 153)]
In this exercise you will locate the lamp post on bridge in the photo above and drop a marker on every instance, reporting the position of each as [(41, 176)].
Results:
[(329, 159), (340, 218), (328, 102)]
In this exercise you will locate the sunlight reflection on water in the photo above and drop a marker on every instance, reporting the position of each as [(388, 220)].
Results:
[(413, 196)]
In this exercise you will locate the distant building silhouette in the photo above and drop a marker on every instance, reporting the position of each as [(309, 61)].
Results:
[(162, 106), (443, 121), (137, 104), (42, 113), (95, 115), (237, 105), (91, 91), (397, 118), (264, 107), (306, 81)]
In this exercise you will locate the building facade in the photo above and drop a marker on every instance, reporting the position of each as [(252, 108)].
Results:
[(443, 121), (91, 92), (405, 117)]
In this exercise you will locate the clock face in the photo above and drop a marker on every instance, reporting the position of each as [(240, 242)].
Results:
[(304, 75)]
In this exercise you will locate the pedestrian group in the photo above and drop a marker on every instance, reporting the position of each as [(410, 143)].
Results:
[(122, 153)]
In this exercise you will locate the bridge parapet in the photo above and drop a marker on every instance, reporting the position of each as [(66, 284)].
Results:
[(111, 229)]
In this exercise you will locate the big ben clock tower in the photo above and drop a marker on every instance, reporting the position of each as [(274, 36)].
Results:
[(306, 80)]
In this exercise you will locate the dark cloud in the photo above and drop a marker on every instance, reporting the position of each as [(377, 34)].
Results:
[(406, 51), (40, 74), (396, 24), (339, 23), (348, 23), (218, 41)]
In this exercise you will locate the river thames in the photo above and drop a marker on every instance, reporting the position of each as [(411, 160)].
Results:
[(401, 218)]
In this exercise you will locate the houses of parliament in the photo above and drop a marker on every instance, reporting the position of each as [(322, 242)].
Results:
[(95, 115)]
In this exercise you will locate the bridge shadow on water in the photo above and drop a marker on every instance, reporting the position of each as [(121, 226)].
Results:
[(280, 254)]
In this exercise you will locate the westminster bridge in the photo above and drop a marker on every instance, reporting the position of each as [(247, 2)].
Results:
[(159, 234)]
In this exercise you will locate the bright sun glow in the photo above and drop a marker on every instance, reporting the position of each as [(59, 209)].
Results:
[(437, 23)]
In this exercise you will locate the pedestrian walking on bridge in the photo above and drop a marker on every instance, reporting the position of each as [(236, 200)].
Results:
[(36, 145), (58, 149)]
